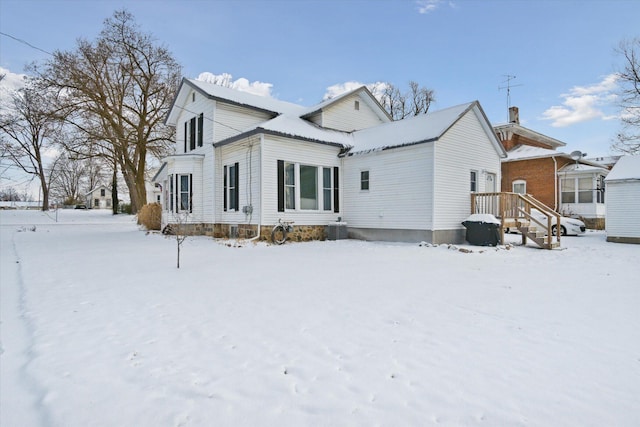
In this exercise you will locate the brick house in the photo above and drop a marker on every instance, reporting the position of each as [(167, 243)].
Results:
[(568, 183)]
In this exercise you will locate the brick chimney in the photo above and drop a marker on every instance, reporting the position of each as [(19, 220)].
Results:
[(514, 115)]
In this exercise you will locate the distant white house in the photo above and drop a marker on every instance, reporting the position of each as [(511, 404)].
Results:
[(99, 198), (243, 161), (623, 201)]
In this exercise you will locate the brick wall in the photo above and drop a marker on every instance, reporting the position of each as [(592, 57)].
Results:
[(539, 175)]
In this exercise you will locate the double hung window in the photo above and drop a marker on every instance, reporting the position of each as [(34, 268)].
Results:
[(473, 181), (231, 187), (180, 193), (364, 180), (193, 133)]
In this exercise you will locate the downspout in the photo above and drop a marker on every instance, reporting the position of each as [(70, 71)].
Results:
[(257, 236), (555, 183)]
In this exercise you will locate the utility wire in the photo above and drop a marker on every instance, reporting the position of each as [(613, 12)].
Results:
[(26, 43)]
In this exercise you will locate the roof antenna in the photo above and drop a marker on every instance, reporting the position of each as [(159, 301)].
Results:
[(508, 87)]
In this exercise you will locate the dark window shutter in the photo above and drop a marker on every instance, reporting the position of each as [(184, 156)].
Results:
[(177, 187), (236, 190), (192, 134), (170, 193), (190, 193), (224, 195), (280, 185), (186, 125), (200, 125), (336, 189)]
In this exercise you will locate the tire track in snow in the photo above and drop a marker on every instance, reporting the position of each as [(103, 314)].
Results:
[(29, 381)]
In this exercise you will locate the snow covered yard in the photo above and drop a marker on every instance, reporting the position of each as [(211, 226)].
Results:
[(100, 329)]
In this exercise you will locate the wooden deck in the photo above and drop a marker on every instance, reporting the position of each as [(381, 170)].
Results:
[(514, 212)]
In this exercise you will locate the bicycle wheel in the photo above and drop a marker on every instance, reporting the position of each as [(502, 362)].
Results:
[(278, 234)]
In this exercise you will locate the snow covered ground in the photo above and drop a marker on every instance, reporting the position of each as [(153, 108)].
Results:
[(100, 329)]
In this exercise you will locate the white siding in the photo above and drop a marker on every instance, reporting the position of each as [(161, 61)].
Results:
[(231, 120), (193, 109), (463, 148), (247, 154), (190, 164), (208, 184), (400, 194), (306, 153), (623, 209), (343, 115)]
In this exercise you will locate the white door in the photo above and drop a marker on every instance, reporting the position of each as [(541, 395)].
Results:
[(490, 187), (490, 183)]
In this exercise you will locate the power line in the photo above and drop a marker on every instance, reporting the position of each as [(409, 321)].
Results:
[(26, 43)]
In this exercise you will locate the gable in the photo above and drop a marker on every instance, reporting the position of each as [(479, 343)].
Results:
[(421, 129), (349, 112)]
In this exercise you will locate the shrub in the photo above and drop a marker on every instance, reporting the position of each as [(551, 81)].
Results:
[(150, 216), (124, 208)]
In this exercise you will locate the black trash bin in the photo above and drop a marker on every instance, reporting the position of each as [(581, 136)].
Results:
[(482, 230)]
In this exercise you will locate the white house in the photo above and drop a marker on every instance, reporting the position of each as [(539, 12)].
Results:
[(623, 201), (243, 161), (99, 198)]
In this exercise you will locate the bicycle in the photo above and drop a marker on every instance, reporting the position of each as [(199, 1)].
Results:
[(280, 231)]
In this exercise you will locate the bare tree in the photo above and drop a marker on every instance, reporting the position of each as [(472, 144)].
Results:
[(30, 126), (628, 140), (400, 105), (67, 179), (119, 88)]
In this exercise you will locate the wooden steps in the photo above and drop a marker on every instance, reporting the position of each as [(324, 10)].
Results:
[(540, 237)]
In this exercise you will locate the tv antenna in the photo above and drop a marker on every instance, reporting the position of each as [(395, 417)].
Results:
[(508, 88)]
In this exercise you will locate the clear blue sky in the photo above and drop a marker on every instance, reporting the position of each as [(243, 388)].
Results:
[(561, 52)]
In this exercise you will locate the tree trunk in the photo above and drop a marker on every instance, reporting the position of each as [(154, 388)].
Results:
[(114, 191), (45, 190), (135, 181)]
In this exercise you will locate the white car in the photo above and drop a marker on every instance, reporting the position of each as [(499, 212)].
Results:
[(568, 226)]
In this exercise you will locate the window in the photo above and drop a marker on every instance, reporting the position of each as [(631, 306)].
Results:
[(96, 203), (231, 194), (473, 181), (193, 133), (356, 105), (585, 190), (364, 180), (326, 189), (307, 187), (180, 193), (102, 192), (185, 193), (290, 186), (519, 186), (600, 189), (568, 190), (578, 190)]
